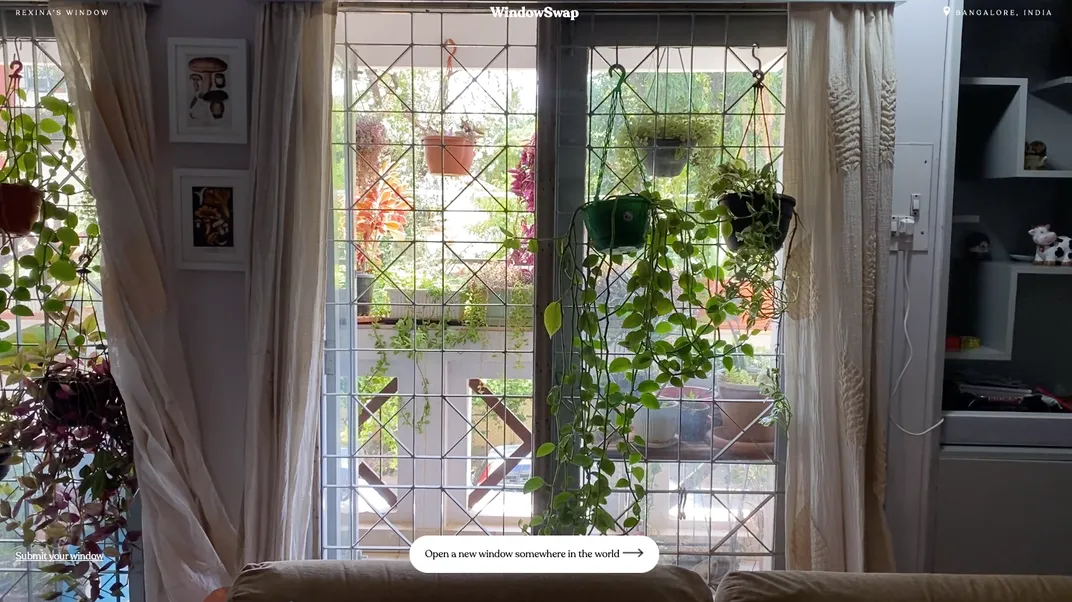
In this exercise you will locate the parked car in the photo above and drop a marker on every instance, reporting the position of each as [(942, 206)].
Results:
[(521, 471)]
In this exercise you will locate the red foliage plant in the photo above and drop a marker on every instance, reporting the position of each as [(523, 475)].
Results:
[(71, 428), (381, 212)]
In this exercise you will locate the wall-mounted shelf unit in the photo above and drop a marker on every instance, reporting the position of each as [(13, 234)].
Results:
[(1017, 114), (996, 313)]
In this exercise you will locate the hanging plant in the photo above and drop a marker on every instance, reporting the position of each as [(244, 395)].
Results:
[(669, 140), (761, 216), (62, 417), (22, 188), (633, 325)]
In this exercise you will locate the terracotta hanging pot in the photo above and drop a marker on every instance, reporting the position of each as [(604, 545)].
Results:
[(449, 155), (20, 206)]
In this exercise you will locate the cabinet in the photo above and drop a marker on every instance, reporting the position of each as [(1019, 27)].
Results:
[(1004, 511)]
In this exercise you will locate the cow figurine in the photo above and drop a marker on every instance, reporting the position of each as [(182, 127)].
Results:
[(1050, 249)]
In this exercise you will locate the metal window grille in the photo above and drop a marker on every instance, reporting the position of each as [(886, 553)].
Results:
[(29, 39), (430, 405)]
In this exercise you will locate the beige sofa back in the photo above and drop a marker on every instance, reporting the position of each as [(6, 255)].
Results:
[(398, 581), (791, 586)]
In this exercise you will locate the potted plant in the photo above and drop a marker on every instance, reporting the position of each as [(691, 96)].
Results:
[(381, 212), (434, 298), (618, 223), (744, 395), (761, 215), (22, 184), (370, 136), (658, 345), (669, 140), (62, 415), (697, 409), (501, 294), (451, 153)]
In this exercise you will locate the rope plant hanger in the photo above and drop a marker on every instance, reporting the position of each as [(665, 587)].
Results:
[(618, 223)]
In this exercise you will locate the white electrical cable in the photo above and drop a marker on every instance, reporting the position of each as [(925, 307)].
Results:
[(908, 341)]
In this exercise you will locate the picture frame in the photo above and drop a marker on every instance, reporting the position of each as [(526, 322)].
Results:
[(215, 68), (212, 219)]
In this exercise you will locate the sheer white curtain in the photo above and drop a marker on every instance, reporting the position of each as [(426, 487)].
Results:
[(841, 86), (291, 168), (190, 545)]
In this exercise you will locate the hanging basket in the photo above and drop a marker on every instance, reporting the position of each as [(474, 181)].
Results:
[(747, 209), (20, 206), (618, 223), (448, 155), (666, 157)]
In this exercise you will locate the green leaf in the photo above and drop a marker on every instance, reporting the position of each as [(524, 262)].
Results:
[(67, 236), (638, 472), (22, 311), (620, 364), (67, 189), (28, 262), (727, 362), (606, 465), (552, 318), (49, 125), (63, 270), (53, 305), (649, 401), (545, 449), (5, 281), (533, 484), (747, 350), (6, 346), (561, 499), (56, 106), (93, 230), (647, 386), (630, 522)]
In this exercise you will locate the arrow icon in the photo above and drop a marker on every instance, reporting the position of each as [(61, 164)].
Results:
[(639, 553)]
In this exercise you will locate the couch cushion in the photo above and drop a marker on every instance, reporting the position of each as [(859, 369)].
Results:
[(398, 581), (799, 586)]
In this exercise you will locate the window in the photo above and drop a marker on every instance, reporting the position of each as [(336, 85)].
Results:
[(429, 401), (30, 40), (428, 397)]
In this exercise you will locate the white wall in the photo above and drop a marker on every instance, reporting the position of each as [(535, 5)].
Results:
[(922, 34)]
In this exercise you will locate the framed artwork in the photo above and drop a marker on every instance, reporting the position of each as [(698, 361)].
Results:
[(212, 218), (208, 90)]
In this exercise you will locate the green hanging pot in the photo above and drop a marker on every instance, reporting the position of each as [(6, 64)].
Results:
[(618, 223)]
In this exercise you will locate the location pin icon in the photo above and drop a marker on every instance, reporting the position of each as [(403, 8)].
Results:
[(946, 11)]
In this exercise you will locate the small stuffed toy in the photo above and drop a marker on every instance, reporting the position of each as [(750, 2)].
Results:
[(978, 246), (1050, 249), (1035, 155)]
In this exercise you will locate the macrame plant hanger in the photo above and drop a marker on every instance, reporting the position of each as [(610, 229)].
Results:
[(618, 223), (616, 102)]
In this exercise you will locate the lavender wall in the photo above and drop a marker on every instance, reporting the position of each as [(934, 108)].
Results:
[(211, 305)]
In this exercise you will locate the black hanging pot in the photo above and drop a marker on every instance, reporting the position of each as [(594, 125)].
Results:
[(6, 451), (748, 208), (665, 157), (364, 286)]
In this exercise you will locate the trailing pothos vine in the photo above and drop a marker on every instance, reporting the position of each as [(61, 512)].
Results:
[(666, 330)]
